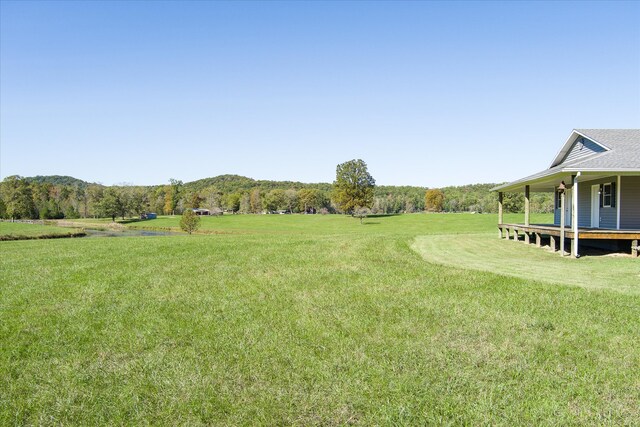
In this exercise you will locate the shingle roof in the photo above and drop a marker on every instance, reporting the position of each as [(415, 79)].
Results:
[(623, 154), (623, 145)]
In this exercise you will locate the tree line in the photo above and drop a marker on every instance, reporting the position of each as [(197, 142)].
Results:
[(56, 197)]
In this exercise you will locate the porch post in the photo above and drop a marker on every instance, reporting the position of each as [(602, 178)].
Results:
[(562, 221), (618, 191), (526, 204), (574, 217), (500, 215)]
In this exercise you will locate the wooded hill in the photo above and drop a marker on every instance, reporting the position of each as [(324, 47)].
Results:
[(237, 183), (57, 196), (62, 180)]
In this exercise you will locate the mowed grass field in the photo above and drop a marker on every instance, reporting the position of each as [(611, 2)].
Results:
[(26, 231), (313, 320)]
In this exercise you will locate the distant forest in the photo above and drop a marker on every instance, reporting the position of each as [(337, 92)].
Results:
[(57, 197)]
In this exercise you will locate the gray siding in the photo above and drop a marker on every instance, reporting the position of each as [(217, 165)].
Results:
[(630, 202), (583, 147), (584, 204), (608, 216), (556, 213)]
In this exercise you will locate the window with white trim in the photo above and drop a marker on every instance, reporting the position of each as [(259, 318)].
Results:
[(607, 195)]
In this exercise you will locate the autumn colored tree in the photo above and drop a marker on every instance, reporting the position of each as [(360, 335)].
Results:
[(434, 200)]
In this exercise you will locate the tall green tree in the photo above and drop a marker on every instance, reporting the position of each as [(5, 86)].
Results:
[(291, 199), (232, 202), (173, 195), (211, 198), (354, 186), (274, 200), (18, 196), (255, 201), (311, 199), (244, 206), (3, 209), (112, 203), (94, 193), (138, 201)]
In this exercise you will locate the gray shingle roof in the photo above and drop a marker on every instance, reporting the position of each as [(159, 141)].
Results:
[(624, 149), (623, 154)]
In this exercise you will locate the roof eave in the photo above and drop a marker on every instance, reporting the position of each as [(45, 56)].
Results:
[(518, 184)]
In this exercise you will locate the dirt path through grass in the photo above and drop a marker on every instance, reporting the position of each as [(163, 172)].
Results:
[(485, 252)]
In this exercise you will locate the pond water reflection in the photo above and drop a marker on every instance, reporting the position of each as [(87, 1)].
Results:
[(129, 233)]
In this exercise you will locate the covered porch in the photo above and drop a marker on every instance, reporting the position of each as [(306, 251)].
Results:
[(578, 212), (559, 239)]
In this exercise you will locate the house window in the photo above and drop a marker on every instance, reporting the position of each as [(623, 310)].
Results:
[(608, 195), (558, 198)]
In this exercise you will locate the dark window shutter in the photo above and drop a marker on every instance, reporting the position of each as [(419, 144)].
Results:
[(601, 195), (613, 194)]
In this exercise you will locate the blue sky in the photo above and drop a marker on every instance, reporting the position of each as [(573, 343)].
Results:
[(427, 93)]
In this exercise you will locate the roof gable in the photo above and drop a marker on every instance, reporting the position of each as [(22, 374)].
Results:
[(582, 148), (577, 147)]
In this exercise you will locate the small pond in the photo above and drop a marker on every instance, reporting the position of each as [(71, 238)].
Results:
[(129, 233)]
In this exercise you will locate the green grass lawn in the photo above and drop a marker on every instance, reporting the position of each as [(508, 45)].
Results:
[(24, 231), (392, 225), (485, 252), (307, 320)]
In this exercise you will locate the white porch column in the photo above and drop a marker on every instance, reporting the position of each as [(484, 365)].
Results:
[(618, 192), (562, 221)]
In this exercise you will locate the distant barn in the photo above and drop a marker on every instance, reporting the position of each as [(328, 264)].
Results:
[(200, 211)]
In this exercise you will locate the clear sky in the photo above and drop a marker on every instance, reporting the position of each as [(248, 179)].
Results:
[(427, 93)]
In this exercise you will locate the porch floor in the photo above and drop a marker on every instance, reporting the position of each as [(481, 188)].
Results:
[(537, 231), (583, 232)]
